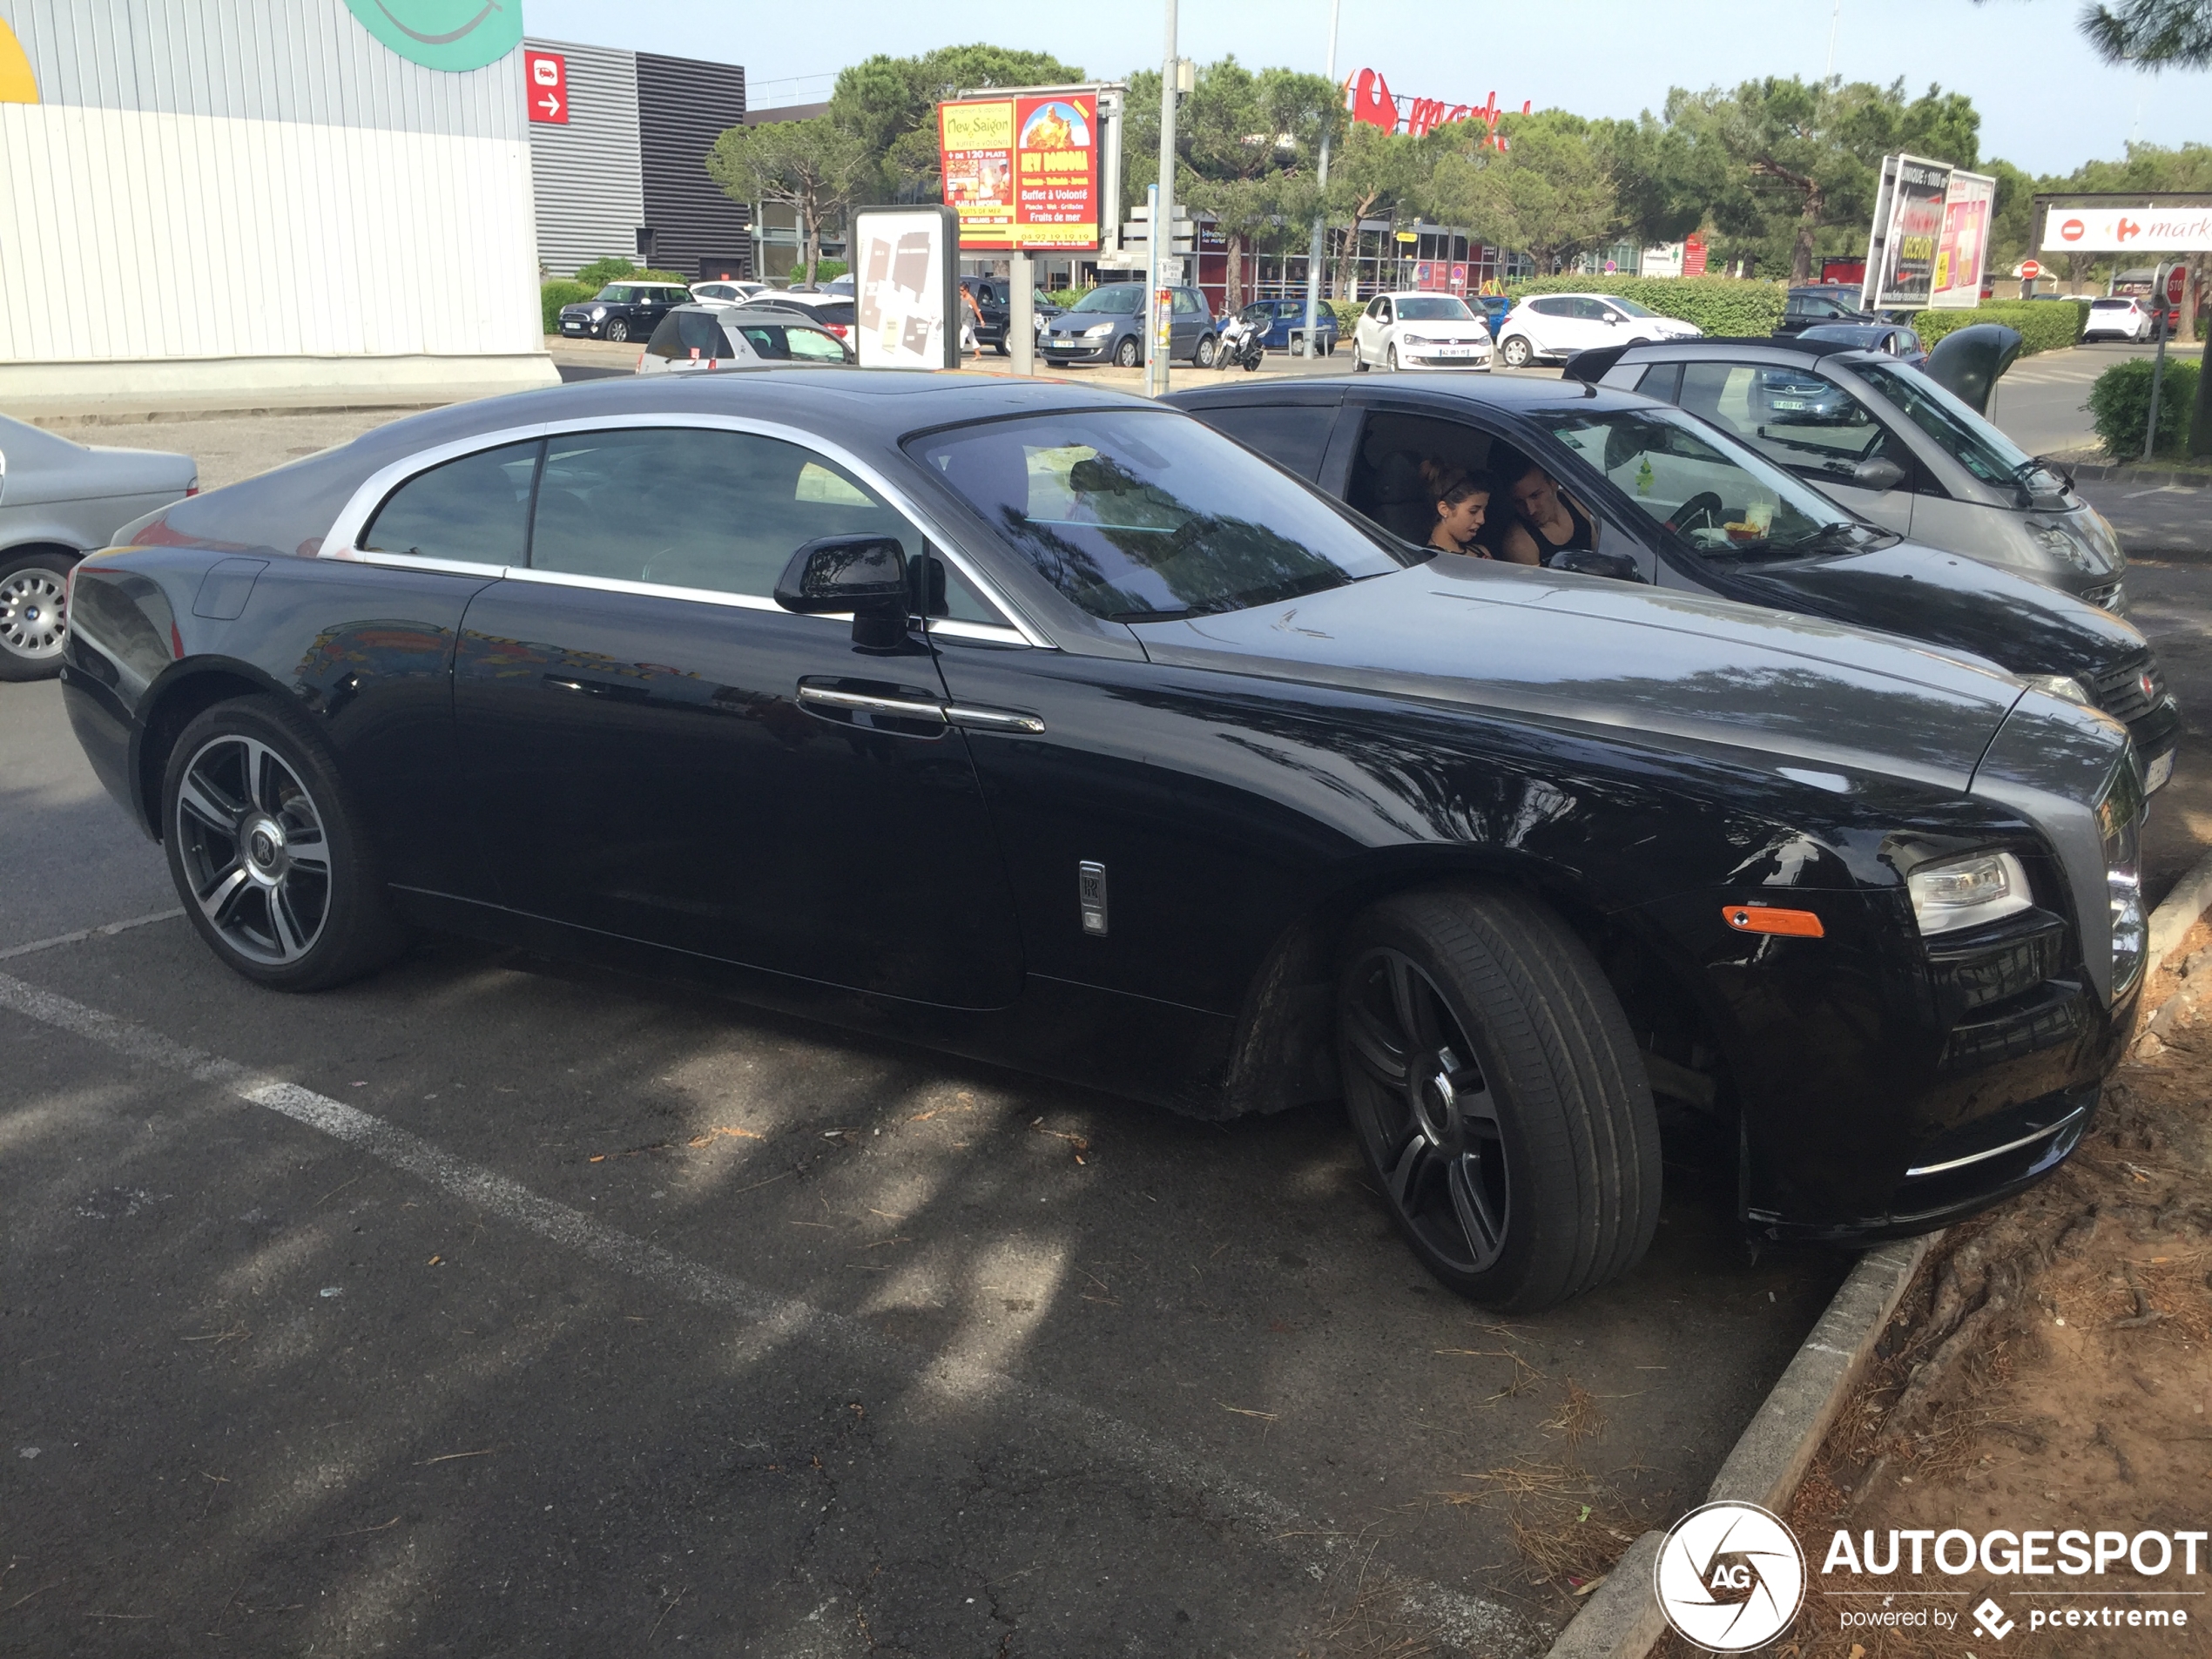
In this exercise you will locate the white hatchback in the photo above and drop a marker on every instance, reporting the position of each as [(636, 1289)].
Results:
[(1417, 330), (2123, 316), (1552, 327)]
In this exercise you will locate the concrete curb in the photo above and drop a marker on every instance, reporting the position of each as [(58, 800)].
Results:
[(1621, 1620), (2128, 472)]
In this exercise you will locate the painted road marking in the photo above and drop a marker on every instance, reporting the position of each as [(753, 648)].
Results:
[(106, 930), (1465, 1619)]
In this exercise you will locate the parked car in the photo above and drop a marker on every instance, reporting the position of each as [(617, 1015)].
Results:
[(993, 300), (58, 500), (1282, 324), (692, 338), (1813, 306), (1049, 726), (1107, 326), (728, 294), (1413, 329), (830, 311), (1551, 328), (622, 310), (1888, 442), (1892, 338), (1678, 504), (2122, 317)]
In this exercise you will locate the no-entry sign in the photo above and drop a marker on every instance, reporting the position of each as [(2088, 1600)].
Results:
[(546, 75), (2030, 270)]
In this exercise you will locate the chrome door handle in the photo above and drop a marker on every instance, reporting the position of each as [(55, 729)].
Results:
[(823, 696), (991, 719)]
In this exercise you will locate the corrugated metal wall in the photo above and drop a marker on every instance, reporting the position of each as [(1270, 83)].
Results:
[(684, 105), (245, 178), (591, 192)]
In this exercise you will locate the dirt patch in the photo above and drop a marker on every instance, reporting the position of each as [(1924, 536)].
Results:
[(2051, 1368)]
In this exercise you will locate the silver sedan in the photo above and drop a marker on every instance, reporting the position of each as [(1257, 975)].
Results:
[(59, 501)]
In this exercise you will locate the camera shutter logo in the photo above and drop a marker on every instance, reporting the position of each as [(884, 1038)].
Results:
[(1730, 1577)]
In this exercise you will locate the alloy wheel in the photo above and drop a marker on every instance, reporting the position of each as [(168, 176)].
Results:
[(255, 852), (33, 618), (1422, 1106)]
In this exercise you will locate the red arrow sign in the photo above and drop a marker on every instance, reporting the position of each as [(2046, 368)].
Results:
[(549, 87)]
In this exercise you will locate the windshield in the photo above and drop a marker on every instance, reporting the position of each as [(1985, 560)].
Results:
[(1966, 437), (1441, 307), (1631, 306), (1119, 298), (1720, 498), (616, 292), (1137, 516)]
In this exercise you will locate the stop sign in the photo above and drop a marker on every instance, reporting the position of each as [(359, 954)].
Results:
[(2177, 284), (2030, 270)]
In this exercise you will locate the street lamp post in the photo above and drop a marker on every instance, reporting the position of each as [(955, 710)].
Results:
[(1321, 219), (1161, 334)]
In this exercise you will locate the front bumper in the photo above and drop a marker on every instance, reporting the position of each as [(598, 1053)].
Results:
[(581, 328), (1426, 357), (1062, 351)]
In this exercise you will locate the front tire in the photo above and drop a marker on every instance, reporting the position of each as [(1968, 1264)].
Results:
[(1516, 352), (34, 614), (1390, 358), (1203, 353), (1125, 355), (1358, 359), (268, 852), (617, 332), (1497, 1095)]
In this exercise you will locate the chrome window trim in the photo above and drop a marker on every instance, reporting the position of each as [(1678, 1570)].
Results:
[(352, 518)]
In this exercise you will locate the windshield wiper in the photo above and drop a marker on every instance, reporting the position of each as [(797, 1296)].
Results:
[(1839, 538)]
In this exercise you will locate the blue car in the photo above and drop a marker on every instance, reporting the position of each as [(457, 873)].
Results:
[(1285, 319)]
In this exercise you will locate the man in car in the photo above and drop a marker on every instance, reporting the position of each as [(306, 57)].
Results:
[(1542, 519)]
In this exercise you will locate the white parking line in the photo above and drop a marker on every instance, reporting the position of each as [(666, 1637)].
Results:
[(106, 930), (1465, 1619)]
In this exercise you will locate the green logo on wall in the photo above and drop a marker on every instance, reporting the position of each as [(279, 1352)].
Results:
[(444, 33)]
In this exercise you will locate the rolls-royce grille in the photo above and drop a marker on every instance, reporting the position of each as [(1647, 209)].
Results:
[(2131, 689)]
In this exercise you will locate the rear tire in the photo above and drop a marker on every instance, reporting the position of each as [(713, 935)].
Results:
[(34, 613), (1516, 352), (1497, 1095), (269, 854)]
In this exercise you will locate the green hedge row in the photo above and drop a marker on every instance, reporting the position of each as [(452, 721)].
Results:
[(1728, 305), (2120, 407), (2043, 324), (558, 292)]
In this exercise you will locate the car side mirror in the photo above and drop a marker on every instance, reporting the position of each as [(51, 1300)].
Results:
[(1585, 561), (1613, 317), (1878, 473), (865, 574)]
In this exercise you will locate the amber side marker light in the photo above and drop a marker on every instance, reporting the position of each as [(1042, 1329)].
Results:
[(1764, 919)]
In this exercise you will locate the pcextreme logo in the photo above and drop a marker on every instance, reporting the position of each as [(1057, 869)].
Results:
[(1730, 1577)]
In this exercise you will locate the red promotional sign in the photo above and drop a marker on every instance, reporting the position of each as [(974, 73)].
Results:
[(546, 78), (1693, 256), (1369, 101), (1023, 172)]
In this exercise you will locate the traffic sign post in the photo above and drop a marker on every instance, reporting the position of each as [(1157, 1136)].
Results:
[(2158, 289)]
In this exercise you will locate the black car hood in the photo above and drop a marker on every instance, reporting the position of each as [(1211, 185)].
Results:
[(1610, 655), (1958, 604)]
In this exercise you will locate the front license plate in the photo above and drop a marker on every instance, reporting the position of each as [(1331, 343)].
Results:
[(2161, 769), (1789, 404)]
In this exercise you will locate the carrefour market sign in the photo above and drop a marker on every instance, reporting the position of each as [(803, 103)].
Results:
[(444, 33), (2122, 230)]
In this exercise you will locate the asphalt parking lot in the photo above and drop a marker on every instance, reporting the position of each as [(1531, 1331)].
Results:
[(491, 1305)]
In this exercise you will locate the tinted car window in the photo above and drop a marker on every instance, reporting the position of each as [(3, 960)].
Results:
[(785, 342), (475, 509), (1442, 308), (1967, 437), (1137, 516), (1796, 417), (1291, 435), (1552, 307), (688, 334), (687, 508)]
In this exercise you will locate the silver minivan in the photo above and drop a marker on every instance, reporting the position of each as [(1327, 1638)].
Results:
[(1888, 442)]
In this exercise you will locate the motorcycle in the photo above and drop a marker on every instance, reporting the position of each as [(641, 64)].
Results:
[(1242, 344)]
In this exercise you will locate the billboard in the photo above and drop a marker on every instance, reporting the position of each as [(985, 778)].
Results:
[(1021, 172), (2127, 230), (1908, 224), (906, 292), (1962, 247)]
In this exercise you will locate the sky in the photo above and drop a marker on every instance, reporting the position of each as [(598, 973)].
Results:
[(2046, 103)]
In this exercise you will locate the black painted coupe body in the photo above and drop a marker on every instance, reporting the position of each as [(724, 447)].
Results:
[(1107, 797)]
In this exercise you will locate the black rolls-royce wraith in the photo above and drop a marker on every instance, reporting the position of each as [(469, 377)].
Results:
[(1050, 726)]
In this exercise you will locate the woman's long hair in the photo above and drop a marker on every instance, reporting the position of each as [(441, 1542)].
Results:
[(1449, 485)]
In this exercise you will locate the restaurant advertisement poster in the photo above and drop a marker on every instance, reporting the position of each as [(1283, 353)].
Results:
[(1962, 250), (1908, 224), (1021, 172)]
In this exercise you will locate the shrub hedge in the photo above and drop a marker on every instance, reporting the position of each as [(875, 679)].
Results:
[(2043, 324), (2120, 407), (1731, 306), (561, 291)]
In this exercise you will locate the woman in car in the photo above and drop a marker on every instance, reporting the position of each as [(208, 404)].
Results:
[(1542, 519), (1462, 500)]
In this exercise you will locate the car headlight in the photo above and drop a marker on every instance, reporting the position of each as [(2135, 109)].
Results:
[(2060, 542), (2063, 685), (2119, 823), (598, 312), (1968, 891), (1098, 331)]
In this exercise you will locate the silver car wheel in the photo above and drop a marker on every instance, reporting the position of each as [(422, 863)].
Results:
[(254, 850), (33, 612)]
